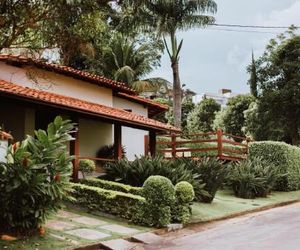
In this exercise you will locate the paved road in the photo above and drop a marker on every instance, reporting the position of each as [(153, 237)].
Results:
[(276, 229)]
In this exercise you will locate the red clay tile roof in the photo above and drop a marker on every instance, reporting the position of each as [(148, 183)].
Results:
[(125, 91), (82, 106), (69, 71)]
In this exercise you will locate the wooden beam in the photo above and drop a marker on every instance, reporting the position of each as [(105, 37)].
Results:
[(118, 141), (74, 150), (146, 145), (152, 142)]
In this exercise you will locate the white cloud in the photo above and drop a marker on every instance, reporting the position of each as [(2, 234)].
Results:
[(285, 17)]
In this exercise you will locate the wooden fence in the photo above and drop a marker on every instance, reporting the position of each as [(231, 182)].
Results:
[(214, 144)]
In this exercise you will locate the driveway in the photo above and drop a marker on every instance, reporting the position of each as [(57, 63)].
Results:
[(276, 229)]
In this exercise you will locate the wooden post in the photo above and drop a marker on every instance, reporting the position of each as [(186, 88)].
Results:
[(146, 145), (74, 150), (152, 142), (118, 141), (220, 146), (173, 143)]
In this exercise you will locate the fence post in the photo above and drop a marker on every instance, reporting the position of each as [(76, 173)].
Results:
[(220, 146), (173, 141)]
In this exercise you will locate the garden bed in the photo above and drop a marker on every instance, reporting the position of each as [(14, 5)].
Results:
[(226, 205)]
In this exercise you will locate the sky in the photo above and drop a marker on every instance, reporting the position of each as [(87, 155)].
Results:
[(214, 59)]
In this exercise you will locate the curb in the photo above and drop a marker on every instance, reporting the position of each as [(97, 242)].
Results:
[(246, 212)]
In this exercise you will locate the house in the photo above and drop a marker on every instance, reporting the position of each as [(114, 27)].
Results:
[(33, 92), (221, 97)]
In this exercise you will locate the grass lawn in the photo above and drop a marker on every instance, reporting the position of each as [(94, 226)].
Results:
[(226, 204)]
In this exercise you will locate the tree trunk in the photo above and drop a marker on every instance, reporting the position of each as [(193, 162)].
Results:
[(176, 95)]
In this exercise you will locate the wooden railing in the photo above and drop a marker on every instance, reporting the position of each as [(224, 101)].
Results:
[(214, 144)]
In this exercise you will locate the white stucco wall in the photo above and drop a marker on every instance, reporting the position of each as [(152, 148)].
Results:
[(132, 139), (92, 136), (32, 77)]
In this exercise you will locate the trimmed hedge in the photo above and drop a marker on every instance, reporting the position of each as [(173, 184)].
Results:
[(111, 185), (283, 156), (113, 202)]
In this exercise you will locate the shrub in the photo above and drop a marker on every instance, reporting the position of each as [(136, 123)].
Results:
[(103, 200), (184, 193), (86, 166), (211, 172), (36, 178), (159, 193), (111, 185), (136, 173), (253, 178), (284, 157), (108, 152)]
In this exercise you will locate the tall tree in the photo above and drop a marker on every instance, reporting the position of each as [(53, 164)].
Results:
[(202, 117), (279, 76), (167, 18), (253, 77)]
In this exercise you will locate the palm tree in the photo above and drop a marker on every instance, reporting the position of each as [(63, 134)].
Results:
[(128, 60), (168, 17)]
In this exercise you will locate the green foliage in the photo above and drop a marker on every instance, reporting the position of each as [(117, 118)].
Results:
[(278, 77), (231, 119), (108, 152), (259, 126), (135, 173), (202, 117), (284, 157), (253, 78), (109, 201), (86, 166), (184, 192), (111, 185), (35, 179), (211, 172), (159, 193), (253, 178)]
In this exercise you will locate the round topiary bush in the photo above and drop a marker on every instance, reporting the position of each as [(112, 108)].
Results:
[(87, 166), (159, 190), (184, 192)]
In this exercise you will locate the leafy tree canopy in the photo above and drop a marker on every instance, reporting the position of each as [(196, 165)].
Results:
[(231, 119), (202, 117), (278, 75)]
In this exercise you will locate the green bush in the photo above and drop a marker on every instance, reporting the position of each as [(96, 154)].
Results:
[(209, 171), (36, 178), (284, 157), (159, 190), (113, 202), (159, 193), (253, 178), (86, 166), (135, 173), (111, 185), (184, 193)]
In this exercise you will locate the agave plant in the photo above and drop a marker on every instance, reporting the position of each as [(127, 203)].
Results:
[(253, 178)]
